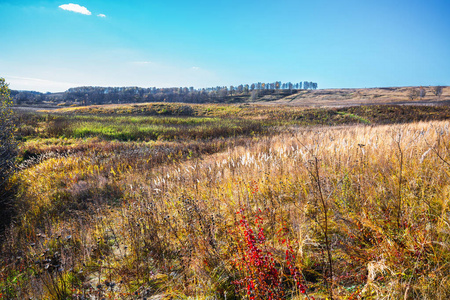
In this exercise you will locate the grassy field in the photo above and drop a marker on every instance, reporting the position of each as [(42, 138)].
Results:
[(362, 96), (231, 202)]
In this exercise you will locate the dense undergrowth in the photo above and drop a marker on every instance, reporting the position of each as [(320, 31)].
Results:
[(356, 212), (374, 114)]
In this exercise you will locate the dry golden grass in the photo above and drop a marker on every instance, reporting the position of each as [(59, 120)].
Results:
[(362, 96), (119, 225)]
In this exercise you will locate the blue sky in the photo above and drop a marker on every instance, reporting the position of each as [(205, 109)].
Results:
[(51, 45)]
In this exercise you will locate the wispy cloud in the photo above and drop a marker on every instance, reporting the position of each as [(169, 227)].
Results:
[(101, 15), (142, 62), (76, 8), (37, 84), (195, 68)]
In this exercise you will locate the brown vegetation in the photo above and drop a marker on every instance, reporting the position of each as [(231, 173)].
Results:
[(340, 212), (366, 96)]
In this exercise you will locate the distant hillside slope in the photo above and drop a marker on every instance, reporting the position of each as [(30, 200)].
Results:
[(366, 96), (302, 97)]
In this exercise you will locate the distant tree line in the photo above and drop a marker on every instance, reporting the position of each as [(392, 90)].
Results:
[(103, 95)]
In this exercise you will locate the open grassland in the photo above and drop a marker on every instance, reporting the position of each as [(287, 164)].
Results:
[(360, 96), (72, 130), (274, 110), (231, 205)]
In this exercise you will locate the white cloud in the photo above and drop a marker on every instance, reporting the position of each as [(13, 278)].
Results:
[(37, 84), (101, 15), (195, 68), (76, 8)]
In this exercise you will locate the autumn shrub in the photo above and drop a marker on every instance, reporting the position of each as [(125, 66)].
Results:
[(260, 274)]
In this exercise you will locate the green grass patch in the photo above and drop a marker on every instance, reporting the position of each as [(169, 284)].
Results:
[(363, 120)]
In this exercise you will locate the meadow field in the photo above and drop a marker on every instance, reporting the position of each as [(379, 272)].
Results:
[(178, 201)]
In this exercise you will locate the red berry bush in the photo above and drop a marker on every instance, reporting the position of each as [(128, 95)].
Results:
[(260, 274)]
